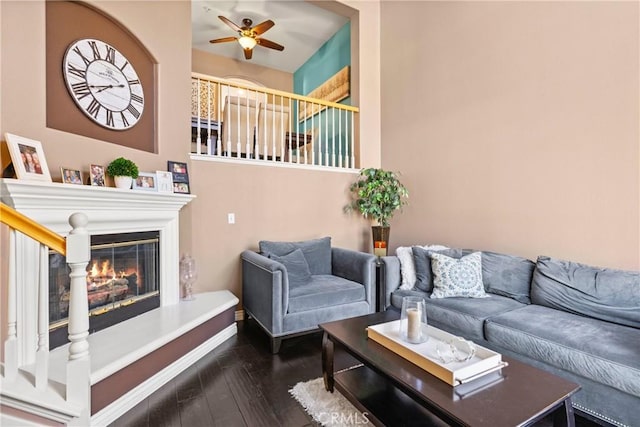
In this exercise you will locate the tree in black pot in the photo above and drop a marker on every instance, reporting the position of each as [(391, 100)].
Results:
[(377, 194)]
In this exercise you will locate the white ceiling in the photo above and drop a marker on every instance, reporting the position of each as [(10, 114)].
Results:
[(300, 27)]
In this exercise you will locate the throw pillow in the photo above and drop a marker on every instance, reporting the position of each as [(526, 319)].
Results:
[(507, 275), (457, 277), (422, 261), (297, 268), (317, 252), (407, 264)]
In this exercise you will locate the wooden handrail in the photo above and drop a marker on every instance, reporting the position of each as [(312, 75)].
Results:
[(29, 227)]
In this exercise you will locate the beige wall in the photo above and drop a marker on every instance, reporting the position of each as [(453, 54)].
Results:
[(269, 203), (516, 126), (219, 66)]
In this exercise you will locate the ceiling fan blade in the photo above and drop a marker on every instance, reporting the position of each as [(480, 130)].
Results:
[(269, 44), (247, 53), (223, 40), (229, 23), (263, 27)]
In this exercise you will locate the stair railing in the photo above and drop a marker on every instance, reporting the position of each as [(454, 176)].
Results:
[(76, 248)]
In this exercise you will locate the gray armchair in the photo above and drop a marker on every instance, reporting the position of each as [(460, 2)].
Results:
[(290, 288)]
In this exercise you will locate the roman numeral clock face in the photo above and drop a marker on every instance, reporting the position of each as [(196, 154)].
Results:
[(103, 84)]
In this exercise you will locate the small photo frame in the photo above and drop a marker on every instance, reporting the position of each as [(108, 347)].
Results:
[(71, 176), (96, 174), (146, 181), (179, 171), (180, 176), (181, 187), (165, 181), (28, 158)]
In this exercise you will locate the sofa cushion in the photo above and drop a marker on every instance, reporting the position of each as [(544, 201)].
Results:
[(460, 316), (408, 266), (606, 294), (297, 268), (507, 275), (601, 351), (325, 291), (422, 263), (457, 277), (317, 252)]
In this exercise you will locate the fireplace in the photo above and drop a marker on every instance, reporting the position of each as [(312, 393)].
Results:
[(122, 282)]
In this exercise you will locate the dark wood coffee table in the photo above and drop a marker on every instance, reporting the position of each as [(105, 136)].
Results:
[(392, 391)]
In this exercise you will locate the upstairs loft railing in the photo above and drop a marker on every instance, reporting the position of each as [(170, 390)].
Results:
[(233, 120), (76, 248)]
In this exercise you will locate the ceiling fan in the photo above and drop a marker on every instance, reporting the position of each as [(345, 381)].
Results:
[(249, 35)]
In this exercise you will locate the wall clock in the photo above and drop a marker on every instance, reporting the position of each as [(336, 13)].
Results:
[(101, 80), (103, 84)]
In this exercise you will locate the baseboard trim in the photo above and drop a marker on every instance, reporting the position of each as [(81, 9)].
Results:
[(130, 399)]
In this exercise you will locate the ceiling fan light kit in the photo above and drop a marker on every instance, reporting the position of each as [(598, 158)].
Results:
[(249, 36), (247, 42)]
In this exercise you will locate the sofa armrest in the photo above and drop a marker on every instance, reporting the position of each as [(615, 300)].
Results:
[(358, 267), (265, 290), (392, 278)]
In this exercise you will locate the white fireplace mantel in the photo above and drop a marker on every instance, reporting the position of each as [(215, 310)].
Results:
[(110, 210)]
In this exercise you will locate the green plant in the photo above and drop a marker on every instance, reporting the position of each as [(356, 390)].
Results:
[(122, 167), (377, 194)]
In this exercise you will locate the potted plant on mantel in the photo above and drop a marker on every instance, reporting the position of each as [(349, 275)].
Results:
[(377, 194), (123, 171)]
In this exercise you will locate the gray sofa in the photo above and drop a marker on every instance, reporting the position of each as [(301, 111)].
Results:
[(291, 287), (579, 322)]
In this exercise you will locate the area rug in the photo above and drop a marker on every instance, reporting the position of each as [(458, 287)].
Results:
[(327, 409)]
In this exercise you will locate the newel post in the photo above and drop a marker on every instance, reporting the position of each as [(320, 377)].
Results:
[(78, 367)]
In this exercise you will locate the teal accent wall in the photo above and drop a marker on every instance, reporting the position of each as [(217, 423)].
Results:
[(332, 56)]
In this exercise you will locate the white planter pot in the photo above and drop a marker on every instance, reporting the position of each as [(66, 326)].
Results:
[(123, 181)]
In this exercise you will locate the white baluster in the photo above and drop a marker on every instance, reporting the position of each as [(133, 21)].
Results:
[(209, 148), (11, 343), (219, 119), (353, 139), (333, 134), (326, 137), (340, 138), (313, 130), (198, 138), (78, 368), (42, 354)]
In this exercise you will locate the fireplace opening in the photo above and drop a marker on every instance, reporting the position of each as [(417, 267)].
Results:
[(122, 282)]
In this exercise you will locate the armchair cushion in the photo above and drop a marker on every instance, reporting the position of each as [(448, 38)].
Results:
[(325, 291), (297, 268), (317, 252)]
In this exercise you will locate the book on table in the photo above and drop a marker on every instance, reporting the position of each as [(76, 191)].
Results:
[(428, 355)]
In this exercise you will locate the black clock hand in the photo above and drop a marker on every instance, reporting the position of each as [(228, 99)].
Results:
[(104, 87)]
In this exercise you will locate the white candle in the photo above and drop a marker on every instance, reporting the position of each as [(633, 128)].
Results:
[(414, 328)]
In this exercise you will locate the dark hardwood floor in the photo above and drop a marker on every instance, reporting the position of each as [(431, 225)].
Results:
[(241, 383)]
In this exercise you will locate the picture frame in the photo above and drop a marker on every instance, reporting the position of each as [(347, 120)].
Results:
[(165, 181), (181, 187), (180, 176), (179, 171), (28, 158), (146, 182), (71, 176), (96, 175)]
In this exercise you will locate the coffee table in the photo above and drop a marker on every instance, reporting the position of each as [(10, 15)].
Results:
[(390, 390)]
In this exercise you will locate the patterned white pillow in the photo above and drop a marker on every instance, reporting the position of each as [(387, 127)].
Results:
[(408, 266), (457, 277)]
